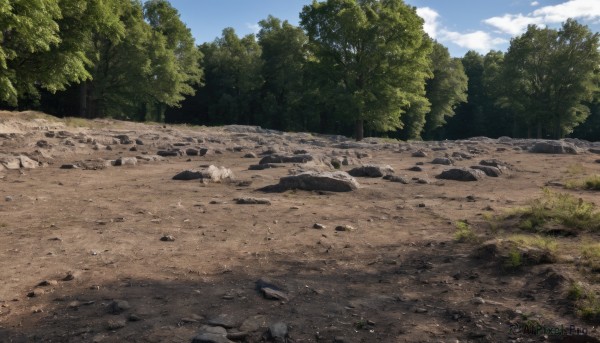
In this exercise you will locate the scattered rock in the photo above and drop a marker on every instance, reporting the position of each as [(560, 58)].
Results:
[(477, 301), (279, 332), (252, 201), (489, 171), (169, 153), (286, 159), (210, 174), (419, 153), (126, 161), (118, 306), (371, 171), (224, 321), (270, 290), (209, 334), (265, 166), (345, 228), (554, 147), (69, 166), (415, 169), (167, 238), (462, 174), (316, 181), (250, 155), (115, 324), (394, 178), (443, 161), (319, 226)]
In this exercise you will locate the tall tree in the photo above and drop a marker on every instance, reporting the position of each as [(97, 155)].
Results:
[(232, 67), (374, 54), (44, 43), (283, 70), (550, 75), (446, 89)]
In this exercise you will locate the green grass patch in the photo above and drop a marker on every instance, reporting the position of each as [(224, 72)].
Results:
[(587, 303), (464, 232), (539, 242), (559, 208), (591, 183), (575, 169)]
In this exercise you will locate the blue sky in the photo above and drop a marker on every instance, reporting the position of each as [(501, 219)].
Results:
[(461, 25)]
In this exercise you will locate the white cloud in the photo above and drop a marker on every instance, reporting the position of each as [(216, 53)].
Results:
[(515, 24), (535, 3), (479, 40), (431, 20), (578, 9), (255, 28)]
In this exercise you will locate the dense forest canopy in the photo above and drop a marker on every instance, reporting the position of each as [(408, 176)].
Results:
[(351, 67)]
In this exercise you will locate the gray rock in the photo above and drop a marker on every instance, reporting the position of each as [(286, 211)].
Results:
[(394, 178), (265, 166), (124, 139), (278, 332), (415, 169), (462, 174), (118, 306), (317, 181), (554, 147), (224, 321), (43, 144), (443, 161), (192, 152), (169, 153), (250, 155), (252, 201), (126, 161), (489, 171), (594, 150), (371, 171), (10, 162), (69, 166), (419, 153), (210, 174), (139, 141), (205, 337), (286, 159), (319, 226), (255, 323), (494, 163)]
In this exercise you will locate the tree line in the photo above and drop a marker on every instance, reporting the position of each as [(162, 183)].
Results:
[(352, 67)]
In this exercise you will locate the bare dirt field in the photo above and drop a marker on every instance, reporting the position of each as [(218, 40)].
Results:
[(105, 253)]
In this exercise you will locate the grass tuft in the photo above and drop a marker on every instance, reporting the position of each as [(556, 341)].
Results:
[(464, 232)]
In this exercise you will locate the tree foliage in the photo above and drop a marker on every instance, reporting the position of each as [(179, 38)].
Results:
[(374, 56)]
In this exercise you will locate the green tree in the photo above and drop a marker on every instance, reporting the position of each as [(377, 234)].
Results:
[(283, 70), (44, 43), (374, 55), (550, 74), (446, 89), (232, 69)]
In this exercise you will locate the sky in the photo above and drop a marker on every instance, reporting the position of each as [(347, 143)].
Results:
[(461, 25)]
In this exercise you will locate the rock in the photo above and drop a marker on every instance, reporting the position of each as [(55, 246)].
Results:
[(252, 201), (254, 324), (167, 238), (316, 181), (419, 153), (150, 158), (477, 301), (48, 283), (461, 155), (345, 228), (250, 155), (415, 169), (371, 171), (270, 290), (169, 153), (210, 338), (443, 161), (42, 144), (494, 163), (69, 166), (192, 152), (118, 306), (126, 161), (554, 147), (139, 141), (264, 166), (210, 174), (461, 174), (124, 139), (489, 171), (394, 178), (10, 162), (115, 324), (286, 159), (224, 321), (319, 226), (279, 332)]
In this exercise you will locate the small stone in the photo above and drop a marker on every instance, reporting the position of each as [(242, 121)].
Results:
[(48, 283), (134, 318), (70, 276), (224, 321), (419, 153), (278, 331), (69, 166), (118, 306), (8, 198), (319, 226), (420, 310), (415, 169), (345, 228), (478, 301), (115, 324), (167, 238)]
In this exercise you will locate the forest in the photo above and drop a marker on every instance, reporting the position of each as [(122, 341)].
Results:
[(352, 67)]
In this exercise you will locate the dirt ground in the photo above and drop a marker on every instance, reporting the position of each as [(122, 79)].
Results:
[(95, 236)]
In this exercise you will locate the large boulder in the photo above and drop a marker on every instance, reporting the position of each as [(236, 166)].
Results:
[(489, 170), (554, 147), (316, 181), (443, 161), (461, 174), (371, 170), (210, 174), (10, 162)]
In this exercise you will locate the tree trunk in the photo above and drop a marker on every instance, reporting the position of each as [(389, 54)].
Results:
[(359, 130), (83, 99), (539, 130)]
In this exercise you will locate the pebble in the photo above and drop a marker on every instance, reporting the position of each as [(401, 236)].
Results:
[(345, 228), (319, 226), (167, 238)]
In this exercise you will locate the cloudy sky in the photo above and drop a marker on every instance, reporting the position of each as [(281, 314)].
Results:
[(461, 25)]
